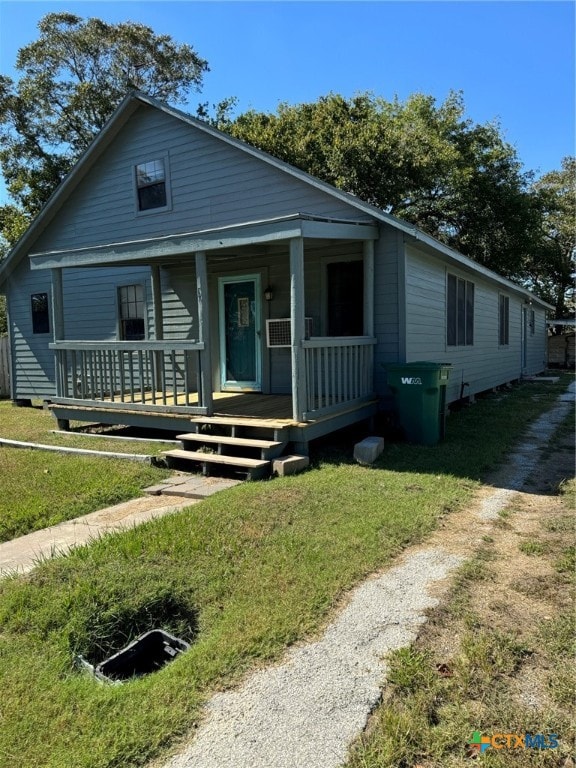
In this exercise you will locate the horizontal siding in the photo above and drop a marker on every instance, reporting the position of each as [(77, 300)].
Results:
[(212, 184), (483, 365), (91, 301), (537, 344), (5, 387), (33, 362)]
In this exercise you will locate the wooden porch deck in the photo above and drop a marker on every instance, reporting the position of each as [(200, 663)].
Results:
[(249, 410)]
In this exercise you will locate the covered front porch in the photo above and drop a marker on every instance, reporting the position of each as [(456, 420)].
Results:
[(172, 381)]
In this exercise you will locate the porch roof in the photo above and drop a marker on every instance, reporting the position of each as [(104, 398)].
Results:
[(158, 249)]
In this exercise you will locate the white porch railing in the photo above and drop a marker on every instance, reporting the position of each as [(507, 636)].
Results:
[(158, 375), (339, 372)]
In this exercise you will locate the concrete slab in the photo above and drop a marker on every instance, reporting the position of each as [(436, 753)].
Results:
[(191, 486), (201, 487), (289, 465), (368, 450)]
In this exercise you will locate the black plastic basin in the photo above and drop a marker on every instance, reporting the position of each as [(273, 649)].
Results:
[(148, 653)]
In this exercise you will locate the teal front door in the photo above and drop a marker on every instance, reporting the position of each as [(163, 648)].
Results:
[(240, 353)]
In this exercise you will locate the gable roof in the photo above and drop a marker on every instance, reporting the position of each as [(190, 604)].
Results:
[(121, 116)]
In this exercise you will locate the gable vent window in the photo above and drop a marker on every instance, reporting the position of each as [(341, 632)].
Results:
[(151, 185), (131, 306)]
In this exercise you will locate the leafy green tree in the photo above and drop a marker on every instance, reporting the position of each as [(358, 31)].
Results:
[(73, 77), (13, 223), (552, 271), (423, 162)]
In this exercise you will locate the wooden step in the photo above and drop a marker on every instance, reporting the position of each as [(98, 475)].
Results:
[(255, 468), (242, 421), (269, 449)]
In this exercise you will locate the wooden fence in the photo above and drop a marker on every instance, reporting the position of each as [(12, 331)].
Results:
[(4, 367)]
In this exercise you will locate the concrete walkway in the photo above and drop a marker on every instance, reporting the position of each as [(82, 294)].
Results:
[(21, 555)]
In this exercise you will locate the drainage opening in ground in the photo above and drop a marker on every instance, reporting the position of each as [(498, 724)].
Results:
[(148, 653)]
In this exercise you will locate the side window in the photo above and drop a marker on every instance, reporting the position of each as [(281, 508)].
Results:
[(532, 322), (504, 321), (131, 310), (345, 286), (40, 313), (459, 312), (151, 184)]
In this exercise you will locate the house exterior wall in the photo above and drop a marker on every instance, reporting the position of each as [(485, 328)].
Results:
[(212, 184), (90, 313), (485, 363), (215, 184), (32, 361)]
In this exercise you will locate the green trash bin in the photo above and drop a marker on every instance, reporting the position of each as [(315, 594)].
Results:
[(420, 394)]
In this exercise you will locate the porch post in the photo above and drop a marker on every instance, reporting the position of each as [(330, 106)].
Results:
[(368, 247), (297, 326), (157, 303), (57, 305), (204, 332), (60, 359)]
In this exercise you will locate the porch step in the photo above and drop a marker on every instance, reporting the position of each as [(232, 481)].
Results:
[(269, 449), (253, 468), (242, 423)]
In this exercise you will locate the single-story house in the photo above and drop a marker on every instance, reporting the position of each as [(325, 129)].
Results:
[(181, 276)]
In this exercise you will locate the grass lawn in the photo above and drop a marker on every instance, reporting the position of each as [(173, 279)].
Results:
[(497, 657), (41, 488), (241, 575)]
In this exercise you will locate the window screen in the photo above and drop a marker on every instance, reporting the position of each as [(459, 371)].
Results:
[(345, 298), (504, 321), (459, 312)]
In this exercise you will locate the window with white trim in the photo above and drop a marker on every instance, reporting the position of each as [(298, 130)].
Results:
[(459, 312), (131, 312), (151, 185)]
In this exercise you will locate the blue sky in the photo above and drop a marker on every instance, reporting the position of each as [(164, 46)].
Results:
[(514, 61)]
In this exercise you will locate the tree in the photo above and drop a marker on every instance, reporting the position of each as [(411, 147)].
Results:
[(73, 77), (552, 270), (426, 163)]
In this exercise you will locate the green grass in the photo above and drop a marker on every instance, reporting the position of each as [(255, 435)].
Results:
[(41, 488), (241, 575), (38, 425), (532, 548), (437, 697)]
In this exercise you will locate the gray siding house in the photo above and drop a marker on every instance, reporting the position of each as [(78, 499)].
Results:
[(179, 275)]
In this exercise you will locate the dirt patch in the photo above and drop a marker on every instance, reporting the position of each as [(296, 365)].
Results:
[(521, 587)]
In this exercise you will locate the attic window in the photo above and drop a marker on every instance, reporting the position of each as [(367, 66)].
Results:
[(151, 185)]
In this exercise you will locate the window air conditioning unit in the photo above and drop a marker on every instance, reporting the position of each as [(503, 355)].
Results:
[(278, 331)]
